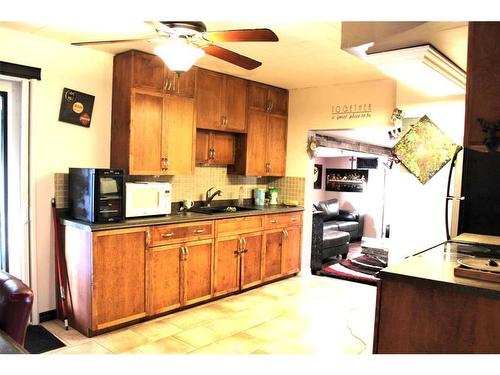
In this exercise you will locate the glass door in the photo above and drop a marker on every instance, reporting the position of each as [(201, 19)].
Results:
[(3, 182)]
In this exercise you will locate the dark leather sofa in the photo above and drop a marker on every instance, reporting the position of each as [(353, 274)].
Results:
[(16, 301), (332, 231)]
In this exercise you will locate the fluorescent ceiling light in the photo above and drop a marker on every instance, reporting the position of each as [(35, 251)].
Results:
[(423, 68)]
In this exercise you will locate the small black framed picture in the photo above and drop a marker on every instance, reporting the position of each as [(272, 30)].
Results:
[(76, 107), (318, 175)]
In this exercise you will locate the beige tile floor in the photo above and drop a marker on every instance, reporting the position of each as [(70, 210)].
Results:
[(300, 315)]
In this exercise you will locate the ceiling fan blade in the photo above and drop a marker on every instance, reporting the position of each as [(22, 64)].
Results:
[(232, 57), (158, 26), (108, 42), (244, 35)]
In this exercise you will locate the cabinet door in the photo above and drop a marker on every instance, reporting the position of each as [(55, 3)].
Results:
[(118, 277), (203, 146), (256, 143), (182, 85), (279, 101), (164, 279), (273, 254), (291, 250), (208, 100), (147, 72), (276, 146), (227, 265), (197, 271), (146, 148), (235, 101), (258, 97), (251, 260), (222, 148), (179, 134)]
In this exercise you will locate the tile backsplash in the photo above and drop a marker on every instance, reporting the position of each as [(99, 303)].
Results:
[(194, 186)]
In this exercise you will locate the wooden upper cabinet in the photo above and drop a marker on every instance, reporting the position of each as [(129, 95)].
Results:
[(179, 133), (220, 102), (146, 148), (276, 146), (256, 145), (215, 148), (268, 98), (208, 100), (148, 71), (152, 132), (279, 101), (483, 82)]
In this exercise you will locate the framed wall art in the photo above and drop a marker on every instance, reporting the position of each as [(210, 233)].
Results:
[(348, 180), (76, 107)]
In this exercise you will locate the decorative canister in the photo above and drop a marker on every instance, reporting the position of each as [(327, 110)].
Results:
[(259, 196), (273, 193)]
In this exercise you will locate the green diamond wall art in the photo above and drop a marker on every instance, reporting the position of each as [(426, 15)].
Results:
[(424, 149)]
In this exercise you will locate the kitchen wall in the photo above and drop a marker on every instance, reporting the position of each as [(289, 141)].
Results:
[(316, 108), (55, 145), (194, 187), (417, 210), (369, 203)]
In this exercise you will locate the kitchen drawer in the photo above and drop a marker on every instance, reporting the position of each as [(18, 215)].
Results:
[(167, 234), (237, 225), (283, 220)]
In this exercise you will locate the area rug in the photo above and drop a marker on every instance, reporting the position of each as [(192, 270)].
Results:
[(39, 340), (362, 269)]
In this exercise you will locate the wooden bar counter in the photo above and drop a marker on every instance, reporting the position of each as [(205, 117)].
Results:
[(423, 308)]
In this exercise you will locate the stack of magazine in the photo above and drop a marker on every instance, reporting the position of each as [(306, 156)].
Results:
[(378, 253)]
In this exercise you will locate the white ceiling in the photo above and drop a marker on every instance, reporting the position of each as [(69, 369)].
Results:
[(308, 54)]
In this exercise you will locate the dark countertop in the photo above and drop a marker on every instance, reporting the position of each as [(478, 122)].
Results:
[(437, 265), (177, 218)]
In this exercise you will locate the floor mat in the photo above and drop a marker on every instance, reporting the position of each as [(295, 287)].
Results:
[(39, 340), (361, 269)]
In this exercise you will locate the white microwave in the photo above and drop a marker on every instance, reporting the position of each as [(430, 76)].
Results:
[(147, 198)]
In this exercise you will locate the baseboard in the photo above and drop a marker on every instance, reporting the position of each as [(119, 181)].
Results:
[(47, 315)]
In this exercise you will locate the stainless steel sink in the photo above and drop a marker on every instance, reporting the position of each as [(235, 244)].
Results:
[(218, 210)]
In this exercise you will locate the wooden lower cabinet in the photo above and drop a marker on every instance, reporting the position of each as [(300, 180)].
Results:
[(251, 259), (227, 265), (164, 279), (179, 275), (282, 252), (124, 275), (197, 271), (291, 250), (118, 277), (238, 262), (273, 254)]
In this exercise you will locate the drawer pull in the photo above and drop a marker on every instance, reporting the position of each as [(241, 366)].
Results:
[(167, 235), (274, 221), (198, 231), (294, 219)]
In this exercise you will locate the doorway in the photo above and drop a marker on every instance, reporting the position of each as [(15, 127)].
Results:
[(4, 255)]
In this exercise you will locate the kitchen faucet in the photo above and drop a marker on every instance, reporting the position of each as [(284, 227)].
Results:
[(208, 197)]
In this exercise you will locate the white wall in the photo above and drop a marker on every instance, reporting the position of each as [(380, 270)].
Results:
[(56, 146), (417, 210)]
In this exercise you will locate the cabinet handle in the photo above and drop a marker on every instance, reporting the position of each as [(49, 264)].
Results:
[(268, 107), (213, 154), (148, 238), (285, 233), (187, 252), (244, 247), (198, 231), (163, 164), (167, 235), (274, 221), (272, 106), (294, 219), (165, 86), (166, 164), (223, 120), (183, 252)]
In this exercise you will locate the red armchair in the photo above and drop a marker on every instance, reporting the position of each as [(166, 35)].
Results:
[(16, 301)]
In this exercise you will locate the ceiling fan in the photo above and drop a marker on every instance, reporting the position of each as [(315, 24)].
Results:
[(181, 43)]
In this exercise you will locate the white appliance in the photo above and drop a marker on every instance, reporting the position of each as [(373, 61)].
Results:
[(147, 198)]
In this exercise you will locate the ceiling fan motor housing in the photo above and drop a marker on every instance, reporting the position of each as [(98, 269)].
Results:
[(190, 27)]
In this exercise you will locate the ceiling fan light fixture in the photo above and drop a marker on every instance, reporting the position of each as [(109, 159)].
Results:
[(178, 54)]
